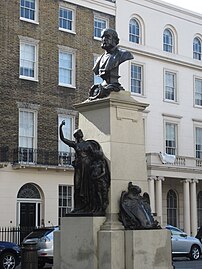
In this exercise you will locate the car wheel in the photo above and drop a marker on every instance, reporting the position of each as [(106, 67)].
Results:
[(195, 252), (8, 260)]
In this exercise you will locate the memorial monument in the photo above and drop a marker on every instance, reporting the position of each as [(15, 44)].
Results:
[(112, 120)]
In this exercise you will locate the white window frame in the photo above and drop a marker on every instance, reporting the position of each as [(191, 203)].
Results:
[(72, 70), (63, 198), (170, 45), (174, 86), (66, 117), (35, 44), (199, 93), (197, 126), (173, 211), (197, 54), (34, 144), (176, 134), (73, 10), (99, 18), (131, 34), (141, 81), (36, 19)]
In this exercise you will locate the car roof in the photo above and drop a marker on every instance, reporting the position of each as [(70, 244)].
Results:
[(40, 232)]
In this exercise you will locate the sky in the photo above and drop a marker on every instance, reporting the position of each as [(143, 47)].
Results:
[(193, 5)]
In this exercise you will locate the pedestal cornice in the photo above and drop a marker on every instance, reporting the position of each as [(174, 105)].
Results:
[(121, 99)]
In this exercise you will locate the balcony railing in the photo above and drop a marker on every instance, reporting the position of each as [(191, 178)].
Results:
[(154, 159), (30, 156)]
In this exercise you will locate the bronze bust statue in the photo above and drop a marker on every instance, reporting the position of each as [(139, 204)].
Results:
[(107, 65)]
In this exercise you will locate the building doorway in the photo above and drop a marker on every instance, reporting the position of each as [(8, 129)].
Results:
[(29, 206)]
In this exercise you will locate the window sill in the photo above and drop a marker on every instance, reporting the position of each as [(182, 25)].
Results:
[(97, 38), (137, 94), (171, 101), (198, 106), (30, 21), (29, 78), (67, 31), (67, 86)]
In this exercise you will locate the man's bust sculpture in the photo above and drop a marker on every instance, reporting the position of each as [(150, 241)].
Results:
[(107, 65)]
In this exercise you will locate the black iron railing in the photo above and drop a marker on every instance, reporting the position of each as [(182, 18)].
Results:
[(14, 234), (32, 156)]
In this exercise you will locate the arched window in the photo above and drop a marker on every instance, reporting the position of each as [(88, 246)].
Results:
[(197, 48), (172, 210), (168, 40), (134, 31), (199, 208), (29, 191)]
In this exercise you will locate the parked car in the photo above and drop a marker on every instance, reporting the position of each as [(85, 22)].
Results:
[(184, 245), (44, 239), (9, 255)]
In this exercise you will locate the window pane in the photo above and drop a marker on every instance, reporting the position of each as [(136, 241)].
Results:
[(26, 129), (136, 79), (65, 68), (170, 86), (99, 25), (64, 201), (172, 208), (171, 135), (198, 142), (28, 9), (66, 153), (167, 41), (65, 18), (27, 60), (197, 49), (134, 31), (26, 137), (198, 92)]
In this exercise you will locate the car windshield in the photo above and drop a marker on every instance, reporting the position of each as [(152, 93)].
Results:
[(39, 233), (175, 231)]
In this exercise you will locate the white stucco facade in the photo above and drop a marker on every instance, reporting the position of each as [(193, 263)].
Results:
[(46, 180), (184, 176)]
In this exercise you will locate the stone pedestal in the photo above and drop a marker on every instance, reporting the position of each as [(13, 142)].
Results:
[(77, 243), (148, 249), (116, 123)]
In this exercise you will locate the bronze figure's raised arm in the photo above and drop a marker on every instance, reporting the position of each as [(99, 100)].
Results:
[(107, 65)]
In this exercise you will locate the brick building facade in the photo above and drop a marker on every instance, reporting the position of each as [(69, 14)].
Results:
[(38, 38)]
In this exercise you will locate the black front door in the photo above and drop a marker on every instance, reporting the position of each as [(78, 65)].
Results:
[(27, 219), (27, 214)]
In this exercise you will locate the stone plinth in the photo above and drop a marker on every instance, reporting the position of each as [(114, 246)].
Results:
[(116, 123), (148, 249), (76, 243)]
